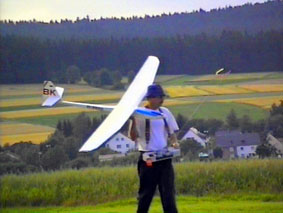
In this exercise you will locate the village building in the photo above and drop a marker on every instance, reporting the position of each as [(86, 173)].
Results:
[(197, 136), (236, 144), (276, 144), (120, 143)]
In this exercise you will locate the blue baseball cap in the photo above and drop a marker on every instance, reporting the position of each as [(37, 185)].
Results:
[(154, 91)]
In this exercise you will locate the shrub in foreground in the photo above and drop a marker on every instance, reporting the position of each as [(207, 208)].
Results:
[(99, 185)]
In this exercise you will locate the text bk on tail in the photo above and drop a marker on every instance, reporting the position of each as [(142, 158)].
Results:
[(51, 94)]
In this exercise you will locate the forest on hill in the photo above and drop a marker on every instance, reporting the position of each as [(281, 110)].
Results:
[(249, 18), (32, 60), (242, 39)]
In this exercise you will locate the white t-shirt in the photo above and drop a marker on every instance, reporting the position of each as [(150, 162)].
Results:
[(158, 132)]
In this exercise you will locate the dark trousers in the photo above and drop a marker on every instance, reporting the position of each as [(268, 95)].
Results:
[(161, 174)]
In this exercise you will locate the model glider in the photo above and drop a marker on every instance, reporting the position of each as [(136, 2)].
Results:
[(119, 114), (222, 72)]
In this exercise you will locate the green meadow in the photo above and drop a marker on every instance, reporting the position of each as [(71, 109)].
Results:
[(186, 204), (232, 179), (204, 110), (53, 120), (207, 110)]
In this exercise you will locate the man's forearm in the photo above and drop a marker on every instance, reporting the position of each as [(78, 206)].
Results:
[(133, 133)]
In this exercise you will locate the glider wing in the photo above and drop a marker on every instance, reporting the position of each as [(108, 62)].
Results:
[(126, 106)]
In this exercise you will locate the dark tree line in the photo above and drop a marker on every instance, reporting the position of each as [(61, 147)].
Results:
[(250, 18), (32, 60)]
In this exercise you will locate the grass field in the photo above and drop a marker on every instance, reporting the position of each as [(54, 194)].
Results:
[(183, 80), (264, 103), (185, 204), (193, 96), (43, 112), (15, 90), (92, 186), (218, 110), (50, 117)]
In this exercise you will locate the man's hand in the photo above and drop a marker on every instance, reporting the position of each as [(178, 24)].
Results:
[(174, 141), (176, 145)]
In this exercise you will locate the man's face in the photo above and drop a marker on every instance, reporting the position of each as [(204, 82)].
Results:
[(155, 102)]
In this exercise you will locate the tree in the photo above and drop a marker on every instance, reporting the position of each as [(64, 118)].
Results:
[(183, 124), (275, 125), (131, 75), (71, 147), (212, 125), (259, 125), (117, 86), (59, 126), (232, 120), (82, 127), (190, 149), (105, 77), (246, 124), (117, 77), (59, 76), (92, 78), (263, 151), (217, 152), (277, 110), (78, 163), (67, 128), (275, 121), (31, 155), (54, 158), (181, 120), (73, 74)]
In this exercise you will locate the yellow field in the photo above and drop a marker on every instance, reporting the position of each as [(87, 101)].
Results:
[(23, 89), (221, 90), (175, 102), (11, 133), (36, 89), (15, 102), (264, 103), (184, 91), (102, 95), (264, 88), (35, 138), (42, 112), (31, 89)]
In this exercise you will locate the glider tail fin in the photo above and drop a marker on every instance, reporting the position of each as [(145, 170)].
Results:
[(51, 94)]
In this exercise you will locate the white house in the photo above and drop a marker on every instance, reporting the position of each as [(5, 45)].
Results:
[(236, 144), (120, 143), (194, 134), (275, 143)]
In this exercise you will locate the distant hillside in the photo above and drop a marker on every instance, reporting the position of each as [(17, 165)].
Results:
[(248, 18)]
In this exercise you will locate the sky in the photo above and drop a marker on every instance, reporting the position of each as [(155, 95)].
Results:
[(46, 10)]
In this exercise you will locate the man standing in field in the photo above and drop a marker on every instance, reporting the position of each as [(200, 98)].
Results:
[(153, 135)]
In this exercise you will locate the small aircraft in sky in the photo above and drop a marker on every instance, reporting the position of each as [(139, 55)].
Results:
[(119, 114)]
